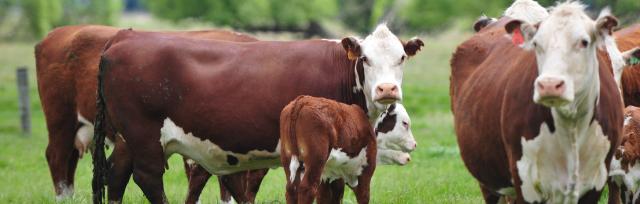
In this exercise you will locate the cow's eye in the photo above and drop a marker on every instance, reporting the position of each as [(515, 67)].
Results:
[(405, 124), (365, 59), (584, 43), (402, 59)]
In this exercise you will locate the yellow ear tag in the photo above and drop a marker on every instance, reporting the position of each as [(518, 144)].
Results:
[(351, 55)]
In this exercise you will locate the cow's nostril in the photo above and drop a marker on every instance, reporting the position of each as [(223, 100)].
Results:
[(380, 89), (560, 84), (540, 86), (394, 88)]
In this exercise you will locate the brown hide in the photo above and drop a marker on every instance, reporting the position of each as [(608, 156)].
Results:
[(227, 93), (492, 89), (67, 64), (310, 128), (626, 39)]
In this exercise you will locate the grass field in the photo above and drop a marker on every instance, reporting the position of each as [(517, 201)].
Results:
[(435, 175)]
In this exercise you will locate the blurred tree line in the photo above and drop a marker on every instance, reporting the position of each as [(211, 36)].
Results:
[(311, 17), (359, 15), (43, 15)]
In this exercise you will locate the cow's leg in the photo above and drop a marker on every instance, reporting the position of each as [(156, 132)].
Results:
[(291, 193), (590, 197), (120, 171), (244, 185), (614, 192), (331, 192), (148, 159), (313, 165), (225, 195), (61, 155), (489, 196), (198, 178), (364, 181)]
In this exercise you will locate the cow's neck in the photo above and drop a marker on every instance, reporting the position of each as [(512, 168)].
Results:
[(574, 151), (350, 93)]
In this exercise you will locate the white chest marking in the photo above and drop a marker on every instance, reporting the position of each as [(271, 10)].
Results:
[(210, 156), (340, 166), (560, 167)]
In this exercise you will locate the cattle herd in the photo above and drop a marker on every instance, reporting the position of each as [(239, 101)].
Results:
[(538, 97)]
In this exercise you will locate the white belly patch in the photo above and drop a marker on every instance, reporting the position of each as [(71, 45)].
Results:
[(560, 167), (340, 166), (210, 156)]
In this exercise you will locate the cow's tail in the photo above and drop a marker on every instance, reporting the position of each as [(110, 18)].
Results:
[(293, 140), (99, 159)]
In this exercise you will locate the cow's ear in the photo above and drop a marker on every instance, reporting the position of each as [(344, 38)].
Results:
[(521, 33), (352, 46), (412, 46), (606, 22), (632, 56), (482, 22)]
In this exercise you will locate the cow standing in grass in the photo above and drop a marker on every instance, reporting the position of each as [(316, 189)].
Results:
[(67, 66), (539, 124), (222, 107)]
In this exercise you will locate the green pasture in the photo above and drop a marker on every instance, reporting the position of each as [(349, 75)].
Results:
[(435, 175)]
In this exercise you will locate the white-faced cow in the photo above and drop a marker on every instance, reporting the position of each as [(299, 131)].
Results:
[(219, 103), (67, 68), (538, 122)]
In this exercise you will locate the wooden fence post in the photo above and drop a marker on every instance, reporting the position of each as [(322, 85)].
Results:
[(23, 99)]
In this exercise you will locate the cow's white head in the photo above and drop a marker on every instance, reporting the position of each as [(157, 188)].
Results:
[(393, 135), (381, 55), (565, 46)]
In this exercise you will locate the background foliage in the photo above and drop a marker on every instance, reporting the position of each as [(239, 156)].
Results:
[(310, 17)]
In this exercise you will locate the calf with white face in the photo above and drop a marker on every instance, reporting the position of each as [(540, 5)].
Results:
[(393, 136)]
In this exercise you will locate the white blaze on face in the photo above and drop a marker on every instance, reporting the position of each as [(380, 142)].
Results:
[(394, 145), (565, 44), (383, 55), (527, 10), (562, 166)]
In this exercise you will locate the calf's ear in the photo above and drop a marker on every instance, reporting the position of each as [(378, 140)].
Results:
[(352, 46), (412, 46), (521, 33)]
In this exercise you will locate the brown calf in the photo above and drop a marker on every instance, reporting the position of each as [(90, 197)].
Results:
[(325, 144), (625, 166)]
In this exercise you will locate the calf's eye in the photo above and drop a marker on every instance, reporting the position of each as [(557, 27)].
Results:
[(584, 43)]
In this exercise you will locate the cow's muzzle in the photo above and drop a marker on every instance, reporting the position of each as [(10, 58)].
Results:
[(387, 93), (551, 92)]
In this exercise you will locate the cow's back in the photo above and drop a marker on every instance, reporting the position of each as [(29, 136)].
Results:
[(626, 39), (471, 53), (179, 78)]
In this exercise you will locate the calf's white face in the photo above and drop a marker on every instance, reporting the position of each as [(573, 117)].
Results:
[(394, 137), (382, 55), (565, 46)]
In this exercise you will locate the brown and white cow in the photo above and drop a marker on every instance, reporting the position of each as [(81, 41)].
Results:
[(325, 145), (624, 174), (67, 65), (538, 122), (221, 107), (625, 166)]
